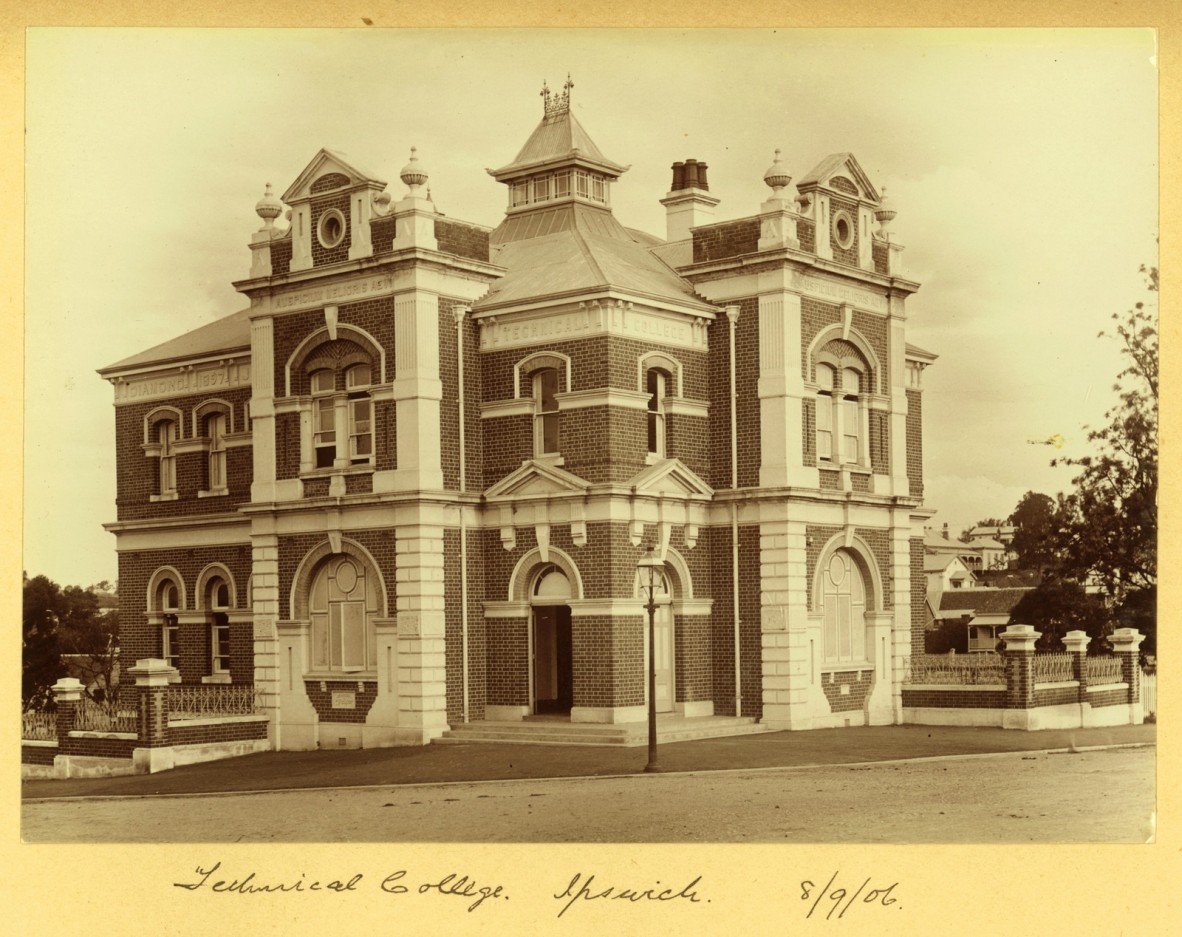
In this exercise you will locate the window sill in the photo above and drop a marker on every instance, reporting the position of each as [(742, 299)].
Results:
[(352, 469), (550, 458), (652, 458), (215, 493), (167, 496), (341, 676), (217, 678)]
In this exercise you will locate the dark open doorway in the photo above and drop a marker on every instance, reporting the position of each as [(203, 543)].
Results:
[(553, 684)]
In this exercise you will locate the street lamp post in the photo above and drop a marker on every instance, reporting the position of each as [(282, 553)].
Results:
[(651, 574)]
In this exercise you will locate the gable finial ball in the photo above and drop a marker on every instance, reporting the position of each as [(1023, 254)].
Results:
[(268, 207), (776, 177)]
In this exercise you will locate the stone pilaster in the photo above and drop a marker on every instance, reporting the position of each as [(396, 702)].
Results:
[(418, 391), (265, 608), (422, 663), (295, 723), (781, 389), (381, 722)]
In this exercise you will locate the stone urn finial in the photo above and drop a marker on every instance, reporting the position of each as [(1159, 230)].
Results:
[(268, 207), (413, 174), (776, 177), (884, 216)]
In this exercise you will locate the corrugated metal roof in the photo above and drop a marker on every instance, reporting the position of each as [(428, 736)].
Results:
[(575, 247), (981, 601), (230, 333)]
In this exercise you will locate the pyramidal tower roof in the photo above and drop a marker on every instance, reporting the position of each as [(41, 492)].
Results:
[(558, 140)]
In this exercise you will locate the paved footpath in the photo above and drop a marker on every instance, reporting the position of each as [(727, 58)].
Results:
[(1005, 798)]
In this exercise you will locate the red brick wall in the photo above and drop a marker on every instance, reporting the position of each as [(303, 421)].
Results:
[(455, 237), (919, 585), (38, 754), (842, 184), (96, 747), (859, 683), (453, 625), (806, 233), (374, 316), (955, 699), (381, 234), (608, 660), (746, 401), (322, 255), (722, 621), (281, 256), (816, 315), (322, 701), (879, 252), (137, 476), (728, 239), (915, 443), (844, 255), (137, 640), (880, 443), (181, 734)]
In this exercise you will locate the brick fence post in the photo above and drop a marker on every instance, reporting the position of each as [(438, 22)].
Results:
[(1019, 657), (1126, 644), (67, 694), (1076, 643), (152, 677)]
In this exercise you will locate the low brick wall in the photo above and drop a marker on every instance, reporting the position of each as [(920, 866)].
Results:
[(206, 731), (954, 697), (98, 744), (33, 753)]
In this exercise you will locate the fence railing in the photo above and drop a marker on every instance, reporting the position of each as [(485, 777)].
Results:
[(1052, 668), (1148, 693), (202, 702), (966, 669), (39, 726), (1103, 670), (90, 716)]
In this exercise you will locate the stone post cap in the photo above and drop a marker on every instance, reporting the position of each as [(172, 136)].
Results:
[(1126, 640), (152, 671), (1076, 641), (67, 689), (1020, 637)]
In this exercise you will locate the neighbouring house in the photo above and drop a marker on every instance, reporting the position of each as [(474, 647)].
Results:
[(407, 485), (970, 620)]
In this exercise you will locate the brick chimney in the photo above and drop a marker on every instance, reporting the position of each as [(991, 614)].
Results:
[(689, 202)]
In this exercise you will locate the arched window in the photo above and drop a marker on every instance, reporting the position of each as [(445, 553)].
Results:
[(168, 603), (215, 430), (843, 607), (657, 385), (166, 433), (342, 605), (357, 382), (217, 600), (324, 423), (545, 386), (841, 415)]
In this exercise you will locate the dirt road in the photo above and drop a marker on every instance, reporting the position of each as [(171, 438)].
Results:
[(1008, 798)]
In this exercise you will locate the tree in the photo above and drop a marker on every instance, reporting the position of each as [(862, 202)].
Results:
[(41, 662), (69, 621), (1034, 528), (1107, 526), (1057, 606)]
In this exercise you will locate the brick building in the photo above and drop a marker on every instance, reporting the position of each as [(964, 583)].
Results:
[(408, 485)]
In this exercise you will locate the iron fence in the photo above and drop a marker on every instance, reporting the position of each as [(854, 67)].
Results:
[(957, 670), (90, 716), (39, 726), (203, 702), (1052, 668), (1103, 670)]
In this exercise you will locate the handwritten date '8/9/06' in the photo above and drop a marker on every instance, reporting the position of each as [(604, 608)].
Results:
[(842, 898)]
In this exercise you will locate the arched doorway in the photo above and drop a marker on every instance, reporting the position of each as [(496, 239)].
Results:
[(552, 670), (663, 649)]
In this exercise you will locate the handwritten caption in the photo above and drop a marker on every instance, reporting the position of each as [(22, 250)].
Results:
[(841, 897)]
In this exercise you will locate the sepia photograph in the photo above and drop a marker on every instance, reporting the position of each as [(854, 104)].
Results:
[(615, 436)]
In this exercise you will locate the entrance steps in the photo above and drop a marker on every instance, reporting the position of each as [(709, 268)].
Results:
[(553, 730)]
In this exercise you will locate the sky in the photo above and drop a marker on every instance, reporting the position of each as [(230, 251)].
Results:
[(1022, 164)]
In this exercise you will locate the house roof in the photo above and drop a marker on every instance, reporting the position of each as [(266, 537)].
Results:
[(573, 247), (981, 601), (938, 562), (558, 138), (987, 542), (230, 333)]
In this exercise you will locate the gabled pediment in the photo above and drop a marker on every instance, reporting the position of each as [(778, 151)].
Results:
[(326, 162), (671, 477), (536, 478), (844, 166)]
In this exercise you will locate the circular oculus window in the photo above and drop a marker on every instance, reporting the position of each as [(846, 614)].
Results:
[(843, 230), (331, 229)]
